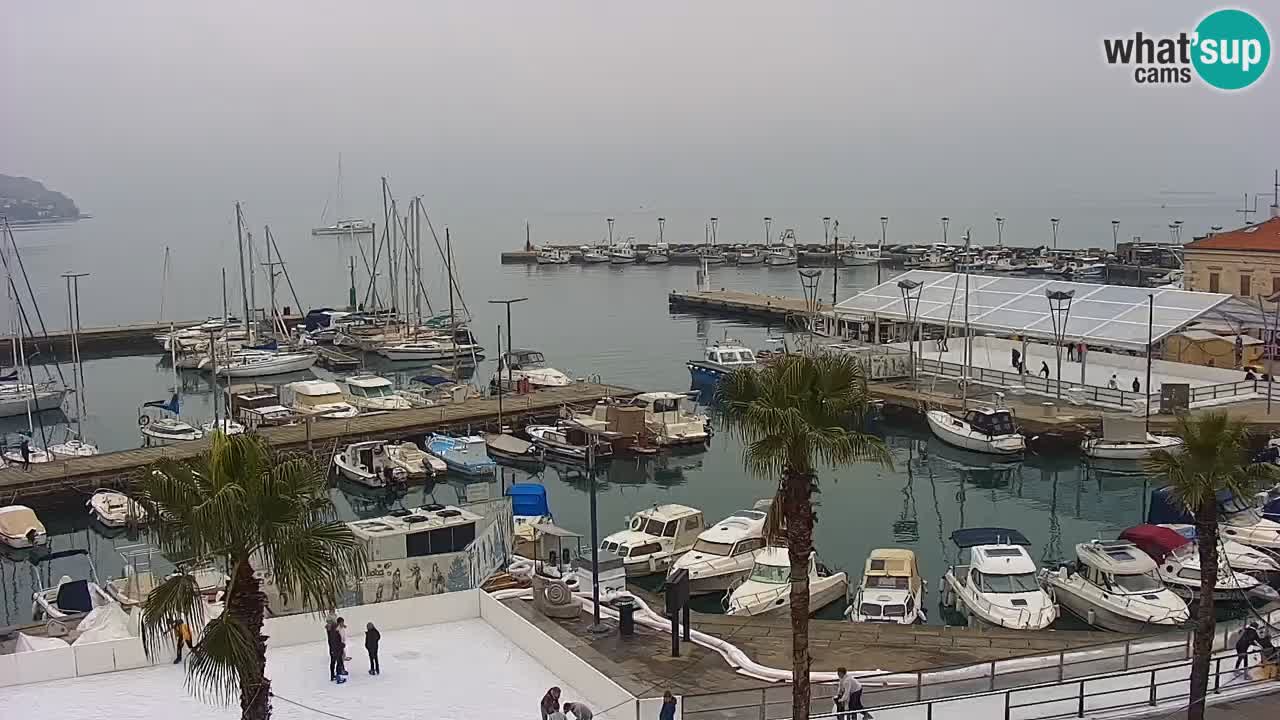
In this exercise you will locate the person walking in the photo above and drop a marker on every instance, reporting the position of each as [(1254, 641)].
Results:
[(668, 711), (1044, 369), (1071, 351), (1248, 638), (337, 652), (580, 711), (1113, 383), (1137, 386), (1015, 358), (25, 449), (371, 638), (181, 636), (849, 695), (551, 703)]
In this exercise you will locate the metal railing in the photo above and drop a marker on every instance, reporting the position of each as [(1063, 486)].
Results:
[(925, 689), (1036, 384)]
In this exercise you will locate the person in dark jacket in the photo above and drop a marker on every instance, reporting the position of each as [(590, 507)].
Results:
[(668, 711), (25, 449), (337, 651), (371, 638), (550, 702), (1248, 638)]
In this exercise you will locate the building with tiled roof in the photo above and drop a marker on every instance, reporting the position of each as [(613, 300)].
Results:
[(1244, 262)]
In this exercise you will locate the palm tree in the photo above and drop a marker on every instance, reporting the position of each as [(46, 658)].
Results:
[(239, 506), (793, 416), (1211, 461)]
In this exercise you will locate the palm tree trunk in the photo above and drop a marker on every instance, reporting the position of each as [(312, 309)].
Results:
[(1202, 646), (247, 604), (797, 501)]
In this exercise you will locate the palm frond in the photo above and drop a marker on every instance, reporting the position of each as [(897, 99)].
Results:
[(1212, 460), (226, 653), (317, 561), (176, 598)]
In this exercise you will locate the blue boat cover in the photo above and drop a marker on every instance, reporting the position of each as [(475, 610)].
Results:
[(1271, 510), (972, 537), (1165, 509), (528, 499), (74, 597), (430, 379)]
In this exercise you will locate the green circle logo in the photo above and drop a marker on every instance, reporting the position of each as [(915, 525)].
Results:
[(1231, 49)]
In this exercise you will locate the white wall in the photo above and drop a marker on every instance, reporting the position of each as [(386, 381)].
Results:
[(393, 615), (602, 693)]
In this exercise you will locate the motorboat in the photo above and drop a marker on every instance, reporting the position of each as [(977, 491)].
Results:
[(344, 228), (658, 254), (552, 256), (933, 260), (892, 589), (724, 553), (1239, 557), (69, 596), (711, 255), (511, 450), (1114, 585), (366, 463), (527, 366), (989, 430), (137, 578), (568, 440), (434, 346), (35, 454), (167, 429), (858, 255), (372, 392), (256, 406), (594, 255), (751, 256), (1127, 439), (73, 448), (719, 360), (1238, 520), (464, 455), (1178, 565), (258, 363), (672, 418), (115, 509), (783, 256), (622, 254), (767, 588), (655, 538), (224, 425), (1006, 264), (414, 460), (1038, 265), (20, 528), (16, 398), (1085, 269), (995, 583), (320, 398)]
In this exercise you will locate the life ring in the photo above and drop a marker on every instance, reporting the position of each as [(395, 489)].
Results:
[(379, 449), (144, 420)]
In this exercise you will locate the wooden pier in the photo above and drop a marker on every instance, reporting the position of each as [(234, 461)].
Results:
[(742, 304), (116, 469)]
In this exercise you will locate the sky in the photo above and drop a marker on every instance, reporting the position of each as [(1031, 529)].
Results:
[(583, 109)]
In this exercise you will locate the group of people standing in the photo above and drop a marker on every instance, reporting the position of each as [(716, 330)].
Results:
[(552, 710), (335, 632)]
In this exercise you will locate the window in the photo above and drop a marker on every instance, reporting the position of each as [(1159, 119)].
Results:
[(775, 574), (1137, 583), (750, 545), (883, 582), (1213, 282), (1017, 583), (439, 541), (1189, 574), (693, 523), (1244, 285), (646, 549), (1275, 285), (870, 609), (709, 547), (653, 527), (895, 610), (670, 529)]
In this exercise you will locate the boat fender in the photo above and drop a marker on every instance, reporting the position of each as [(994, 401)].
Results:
[(143, 420), (1091, 617)]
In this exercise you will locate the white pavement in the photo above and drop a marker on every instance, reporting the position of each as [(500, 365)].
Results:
[(464, 670)]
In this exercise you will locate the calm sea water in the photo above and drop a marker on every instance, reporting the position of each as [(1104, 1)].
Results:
[(614, 322)]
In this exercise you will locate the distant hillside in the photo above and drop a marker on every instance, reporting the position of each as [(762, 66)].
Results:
[(26, 200)]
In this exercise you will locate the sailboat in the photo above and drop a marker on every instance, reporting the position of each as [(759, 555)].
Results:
[(28, 389), (167, 429), (76, 445), (343, 227), (989, 430)]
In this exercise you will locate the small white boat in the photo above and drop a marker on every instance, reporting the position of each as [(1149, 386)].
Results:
[(344, 228), (414, 460), (569, 440), (366, 463), (984, 430), (1127, 439), (672, 418), (115, 509), (655, 538), (933, 260), (1238, 556), (1238, 520), (719, 360), (622, 254), (439, 347), (224, 425), (553, 256), (259, 364), (68, 597), (75, 447), (1178, 566), (767, 589), (860, 256), (724, 553), (658, 254), (594, 255), (167, 430), (372, 392), (35, 455), (996, 581), (892, 590), (529, 366), (751, 256), (16, 398), (1114, 586), (20, 528), (319, 397), (1038, 266), (781, 256), (137, 580)]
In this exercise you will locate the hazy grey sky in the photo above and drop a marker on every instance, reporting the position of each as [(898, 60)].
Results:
[(574, 106)]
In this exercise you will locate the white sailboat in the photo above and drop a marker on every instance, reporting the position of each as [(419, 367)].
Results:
[(1127, 439), (344, 227), (75, 445)]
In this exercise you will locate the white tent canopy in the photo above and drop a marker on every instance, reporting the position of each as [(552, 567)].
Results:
[(1102, 315)]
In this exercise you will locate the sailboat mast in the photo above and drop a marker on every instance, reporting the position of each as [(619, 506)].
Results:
[(968, 348), (453, 337), (240, 248), (253, 295), (417, 259), (225, 315), (75, 359)]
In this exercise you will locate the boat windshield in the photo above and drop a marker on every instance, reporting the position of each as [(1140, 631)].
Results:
[(710, 547), (1136, 583), (652, 527), (773, 574), (376, 391), (886, 583), (1016, 583)]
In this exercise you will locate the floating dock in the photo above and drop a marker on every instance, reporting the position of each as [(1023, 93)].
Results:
[(319, 436), (734, 303)]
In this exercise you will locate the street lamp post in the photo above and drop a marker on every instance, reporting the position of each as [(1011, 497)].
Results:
[(999, 231), (910, 290), (945, 222), (597, 628), (768, 235), (1053, 228), (509, 302), (1115, 236), (1151, 319), (884, 229), (1060, 312)]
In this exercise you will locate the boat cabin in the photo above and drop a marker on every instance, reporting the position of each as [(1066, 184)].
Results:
[(738, 534), (315, 395), (522, 360), (1118, 567), (730, 355), (991, 421), (369, 386), (995, 560), (421, 532), (891, 587), (661, 529)]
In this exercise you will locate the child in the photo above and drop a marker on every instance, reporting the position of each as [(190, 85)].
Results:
[(371, 638), (181, 636)]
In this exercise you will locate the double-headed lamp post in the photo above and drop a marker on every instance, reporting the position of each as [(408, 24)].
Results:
[(884, 231), (910, 290), (1060, 312), (509, 302)]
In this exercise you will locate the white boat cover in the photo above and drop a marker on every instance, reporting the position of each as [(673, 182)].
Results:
[(1123, 429), (16, 520), (106, 622), (508, 443), (33, 643)]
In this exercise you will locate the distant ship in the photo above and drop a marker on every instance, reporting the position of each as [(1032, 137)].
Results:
[(345, 227)]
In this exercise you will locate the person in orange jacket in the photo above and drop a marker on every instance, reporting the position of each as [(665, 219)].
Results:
[(181, 636)]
